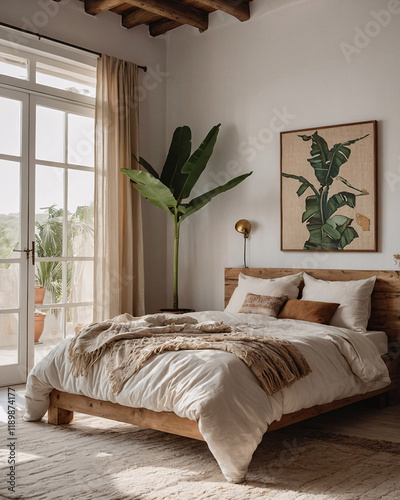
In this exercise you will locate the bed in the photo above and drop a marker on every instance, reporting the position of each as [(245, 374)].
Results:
[(51, 389)]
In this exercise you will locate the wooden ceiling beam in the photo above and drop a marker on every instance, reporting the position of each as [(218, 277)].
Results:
[(237, 8), (162, 26), (174, 11), (135, 17), (94, 7)]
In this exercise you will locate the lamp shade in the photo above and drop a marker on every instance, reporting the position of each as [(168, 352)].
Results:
[(243, 226)]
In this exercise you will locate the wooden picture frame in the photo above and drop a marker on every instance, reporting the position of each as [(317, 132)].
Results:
[(329, 188)]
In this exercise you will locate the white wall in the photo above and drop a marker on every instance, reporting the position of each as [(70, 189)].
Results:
[(287, 61), (103, 33)]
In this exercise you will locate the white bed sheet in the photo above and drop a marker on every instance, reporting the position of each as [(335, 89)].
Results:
[(219, 391), (380, 341)]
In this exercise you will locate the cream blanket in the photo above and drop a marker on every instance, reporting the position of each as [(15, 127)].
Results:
[(276, 363)]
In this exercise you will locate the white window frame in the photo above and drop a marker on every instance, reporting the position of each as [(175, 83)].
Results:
[(51, 103), (18, 370), (51, 53), (46, 52)]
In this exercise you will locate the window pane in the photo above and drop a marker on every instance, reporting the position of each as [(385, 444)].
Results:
[(66, 79), (9, 208), (53, 324), (9, 286), (49, 189), (8, 339), (80, 213), (49, 223), (80, 278), (50, 141), (80, 140), (48, 275), (10, 126), (77, 317), (14, 66)]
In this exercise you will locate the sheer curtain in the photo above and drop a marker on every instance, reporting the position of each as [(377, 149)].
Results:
[(118, 268)]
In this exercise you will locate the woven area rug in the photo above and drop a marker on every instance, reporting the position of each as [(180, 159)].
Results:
[(98, 459)]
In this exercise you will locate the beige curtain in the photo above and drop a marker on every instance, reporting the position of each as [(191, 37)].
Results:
[(118, 272)]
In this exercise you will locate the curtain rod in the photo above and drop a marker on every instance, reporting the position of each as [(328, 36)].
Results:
[(28, 32)]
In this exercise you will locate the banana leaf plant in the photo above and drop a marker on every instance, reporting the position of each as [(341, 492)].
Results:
[(180, 173), (328, 230)]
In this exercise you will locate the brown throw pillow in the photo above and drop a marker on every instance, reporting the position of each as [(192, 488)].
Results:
[(263, 304), (308, 310)]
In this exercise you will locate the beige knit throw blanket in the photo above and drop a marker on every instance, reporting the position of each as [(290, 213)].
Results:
[(275, 362)]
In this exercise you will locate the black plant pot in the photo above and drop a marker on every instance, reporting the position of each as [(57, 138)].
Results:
[(177, 311)]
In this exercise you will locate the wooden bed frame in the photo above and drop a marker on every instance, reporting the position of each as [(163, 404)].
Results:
[(385, 316)]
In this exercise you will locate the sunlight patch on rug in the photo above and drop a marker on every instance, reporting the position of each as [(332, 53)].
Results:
[(93, 458)]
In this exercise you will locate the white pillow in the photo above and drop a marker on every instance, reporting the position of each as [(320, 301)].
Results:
[(288, 285), (354, 298)]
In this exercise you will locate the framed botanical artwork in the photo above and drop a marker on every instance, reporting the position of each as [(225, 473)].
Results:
[(328, 188)]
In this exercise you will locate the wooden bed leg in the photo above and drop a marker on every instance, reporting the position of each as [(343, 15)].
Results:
[(393, 397), (58, 416), (379, 402)]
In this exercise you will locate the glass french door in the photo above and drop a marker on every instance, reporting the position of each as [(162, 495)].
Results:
[(15, 341), (46, 226), (61, 218)]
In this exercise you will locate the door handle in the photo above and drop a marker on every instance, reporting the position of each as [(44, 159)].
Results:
[(28, 251), (33, 253)]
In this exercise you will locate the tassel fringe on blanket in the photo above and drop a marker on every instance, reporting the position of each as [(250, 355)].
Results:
[(276, 363)]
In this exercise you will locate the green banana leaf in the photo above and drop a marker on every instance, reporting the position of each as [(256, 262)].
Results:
[(335, 234), (315, 241), (347, 233), (319, 152), (337, 156), (152, 189), (199, 202), (147, 166), (335, 226), (304, 183), (197, 163), (179, 152), (327, 163), (348, 236), (313, 208), (362, 192), (340, 200), (318, 240)]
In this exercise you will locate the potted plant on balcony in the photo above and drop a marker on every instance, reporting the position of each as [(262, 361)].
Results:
[(8, 242), (178, 177), (49, 243), (39, 324)]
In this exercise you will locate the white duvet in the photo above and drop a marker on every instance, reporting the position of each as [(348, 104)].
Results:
[(218, 390)]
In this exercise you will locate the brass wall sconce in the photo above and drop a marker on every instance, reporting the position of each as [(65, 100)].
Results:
[(243, 226)]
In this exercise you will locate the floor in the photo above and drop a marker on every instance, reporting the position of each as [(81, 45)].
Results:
[(19, 404), (9, 355), (360, 420)]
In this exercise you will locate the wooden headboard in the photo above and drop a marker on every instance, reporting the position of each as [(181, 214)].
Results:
[(385, 302)]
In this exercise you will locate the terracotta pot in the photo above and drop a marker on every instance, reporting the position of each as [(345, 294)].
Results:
[(39, 325), (39, 294)]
